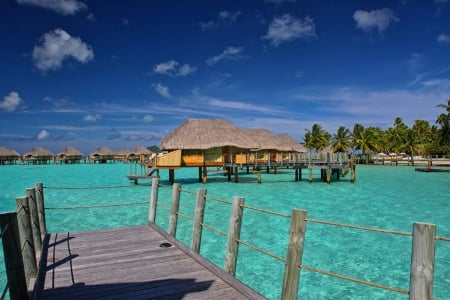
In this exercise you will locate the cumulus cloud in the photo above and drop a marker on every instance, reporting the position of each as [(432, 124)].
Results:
[(42, 135), (379, 19), (173, 68), (11, 102), (224, 17), (56, 47), (443, 38), (287, 28), (92, 118), (162, 90), (63, 7), (230, 53)]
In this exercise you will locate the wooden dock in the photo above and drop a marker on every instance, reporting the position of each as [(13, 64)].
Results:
[(139, 262)]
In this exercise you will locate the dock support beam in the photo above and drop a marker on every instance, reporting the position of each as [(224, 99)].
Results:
[(234, 232), (199, 213), (173, 219)]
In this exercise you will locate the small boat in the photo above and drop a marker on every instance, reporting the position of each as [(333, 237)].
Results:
[(431, 169)]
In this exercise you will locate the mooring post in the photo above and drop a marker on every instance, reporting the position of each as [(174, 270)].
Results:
[(173, 219), (15, 273), (153, 200), (353, 169), (198, 220), (26, 238), (328, 170), (34, 220), (291, 278), (422, 262), (234, 232), (40, 203)]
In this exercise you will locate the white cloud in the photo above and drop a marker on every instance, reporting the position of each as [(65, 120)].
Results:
[(148, 119), (92, 118), (173, 68), (57, 46), (375, 19), (224, 17), (230, 53), (64, 7), (443, 38), (162, 90), (287, 28), (43, 135), (11, 102)]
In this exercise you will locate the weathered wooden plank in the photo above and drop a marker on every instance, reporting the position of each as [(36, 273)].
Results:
[(128, 263)]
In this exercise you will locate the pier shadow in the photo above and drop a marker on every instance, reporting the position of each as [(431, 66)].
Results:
[(158, 289)]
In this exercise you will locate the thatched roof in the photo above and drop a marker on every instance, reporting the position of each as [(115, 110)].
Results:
[(8, 152), (205, 134), (39, 152), (263, 138), (70, 151), (122, 152), (291, 144), (102, 151), (140, 150)]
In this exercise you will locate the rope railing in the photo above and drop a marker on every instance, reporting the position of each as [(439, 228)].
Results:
[(359, 227), (443, 239), (214, 229), (266, 211), (218, 199), (260, 250), (96, 206), (353, 279), (91, 187)]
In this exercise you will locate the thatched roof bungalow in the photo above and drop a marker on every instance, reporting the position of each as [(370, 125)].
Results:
[(8, 156), (102, 155), (140, 153), (38, 155), (69, 155), (199, 142)]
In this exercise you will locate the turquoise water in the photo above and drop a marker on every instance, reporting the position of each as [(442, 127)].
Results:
[(386, 197)]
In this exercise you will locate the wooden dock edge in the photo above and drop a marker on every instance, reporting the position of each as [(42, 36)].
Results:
[(232, 281), (36, 286)]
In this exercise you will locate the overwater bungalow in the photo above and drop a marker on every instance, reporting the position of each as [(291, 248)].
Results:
[(102, 155), (38, 155), (140, 154), (69, 155), (121, 155), (8, 156)]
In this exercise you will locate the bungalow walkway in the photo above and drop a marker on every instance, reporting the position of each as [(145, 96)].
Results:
[(139, 262)]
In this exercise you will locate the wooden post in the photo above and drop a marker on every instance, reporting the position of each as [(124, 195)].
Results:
[(205, 174), (34, 220), (422, 262), (291, 278), (26, 238), (328, 170), (353, 169), (15, 274), (236, 174), (153, 200), (171, 176), (173, 219), (200, 175), (259, 176), (296, 174), (39, 191), (234, 232), (198, 220)]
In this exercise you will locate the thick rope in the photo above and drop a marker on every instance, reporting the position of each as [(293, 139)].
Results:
[(163, 206), (97, 206), (261, 251), (187, 192), (354, 280), (214, 229), (90, 187), (441, 238), (185, 216), (266, 211), (218, 200), (360, 227)]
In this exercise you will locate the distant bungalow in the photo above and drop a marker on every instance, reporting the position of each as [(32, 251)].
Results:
[(69, 155), (206, 143), (38, 155), (102, 155), (8, 156)]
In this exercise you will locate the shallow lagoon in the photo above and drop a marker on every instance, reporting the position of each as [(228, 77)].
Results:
[(386, 197)]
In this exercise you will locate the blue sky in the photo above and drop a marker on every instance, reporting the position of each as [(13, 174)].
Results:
[(89, 73)]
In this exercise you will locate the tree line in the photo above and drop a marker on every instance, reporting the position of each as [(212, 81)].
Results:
[(421, 139)]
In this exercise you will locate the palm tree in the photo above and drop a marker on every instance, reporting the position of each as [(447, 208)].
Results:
[(422, 134), (410, 144), (444, 121), (341, 140), (366, 141), (316, 138)]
